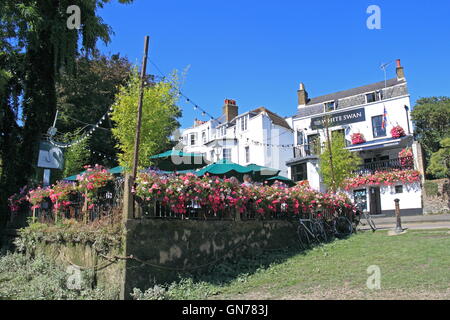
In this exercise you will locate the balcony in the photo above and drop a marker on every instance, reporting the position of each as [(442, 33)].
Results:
[(386, 165), (305, 150)]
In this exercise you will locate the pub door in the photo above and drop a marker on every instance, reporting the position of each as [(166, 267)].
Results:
[(375, 200)]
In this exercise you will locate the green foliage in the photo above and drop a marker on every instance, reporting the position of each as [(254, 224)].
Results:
[(159, 113), (431, 188), (76, 156), (25, 278), (341, 164), (87, 95), (431, 117), (440, 160), (102, 237)]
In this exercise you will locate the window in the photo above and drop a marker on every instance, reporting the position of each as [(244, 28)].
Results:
[(204, 136), (193, 138), (300, 137), (211, 155), (222, 131), (247, 154), (299, 172), (243, 123), (360, 197), (313, 146), (398, 189), (329, 106), (377, 127), (372, 97), (226, 154)]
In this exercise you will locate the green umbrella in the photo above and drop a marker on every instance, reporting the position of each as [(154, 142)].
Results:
[(261, 173), (285, 180), (223, 167), (177, 160)]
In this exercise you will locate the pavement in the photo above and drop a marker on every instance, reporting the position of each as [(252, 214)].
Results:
[(419, 222)]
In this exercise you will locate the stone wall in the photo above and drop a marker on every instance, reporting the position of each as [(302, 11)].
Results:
[(440, 202), (108, 274), (162, 249)]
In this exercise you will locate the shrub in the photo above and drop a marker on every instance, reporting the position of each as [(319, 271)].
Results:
[(431, 188)]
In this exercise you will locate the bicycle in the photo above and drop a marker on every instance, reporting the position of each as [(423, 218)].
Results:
[(338, 225), (368, 219), (309, 231)]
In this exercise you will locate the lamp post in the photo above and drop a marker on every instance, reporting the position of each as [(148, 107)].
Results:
[(398, 228), (217, 148)]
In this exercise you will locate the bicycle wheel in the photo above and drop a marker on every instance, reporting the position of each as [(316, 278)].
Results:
[(343, 227), (370, 221), (303, 237), (319, 231)]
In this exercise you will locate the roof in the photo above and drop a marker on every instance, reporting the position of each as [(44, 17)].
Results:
[(276, 119), (355, 91)]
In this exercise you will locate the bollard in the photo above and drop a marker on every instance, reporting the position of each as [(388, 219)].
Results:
[(398, 228)]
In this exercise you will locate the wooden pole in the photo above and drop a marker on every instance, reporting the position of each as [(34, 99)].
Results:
[(128, 204)]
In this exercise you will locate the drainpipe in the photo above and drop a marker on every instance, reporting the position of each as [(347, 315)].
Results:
[(407, 118)]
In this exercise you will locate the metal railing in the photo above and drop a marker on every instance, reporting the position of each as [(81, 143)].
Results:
[(386, 165), (305, 150)]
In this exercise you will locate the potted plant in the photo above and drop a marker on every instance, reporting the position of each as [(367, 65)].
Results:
[(358, 138), (397, 132)]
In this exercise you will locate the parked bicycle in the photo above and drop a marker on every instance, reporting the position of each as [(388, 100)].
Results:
[(309, 231), (363, 214)]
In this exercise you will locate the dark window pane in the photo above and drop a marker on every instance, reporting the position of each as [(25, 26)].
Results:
[(377, 127)]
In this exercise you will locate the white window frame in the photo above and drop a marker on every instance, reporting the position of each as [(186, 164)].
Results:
[(204, 136), (328, 102), (229, 153), (247, 154), (195, 139)]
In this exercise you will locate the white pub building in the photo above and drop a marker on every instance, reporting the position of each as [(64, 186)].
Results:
[(370, 111), (257, 137)]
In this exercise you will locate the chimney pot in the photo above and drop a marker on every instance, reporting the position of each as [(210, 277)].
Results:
[(302, 95), (400, 71), (230, 109)]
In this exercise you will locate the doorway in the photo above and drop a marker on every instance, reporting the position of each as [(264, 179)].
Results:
[(375, 200)]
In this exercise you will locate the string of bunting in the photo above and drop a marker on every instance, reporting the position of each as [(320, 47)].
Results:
[(83, 137), (188, 100)]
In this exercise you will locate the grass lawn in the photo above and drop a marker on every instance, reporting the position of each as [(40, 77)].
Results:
[(414, 265)]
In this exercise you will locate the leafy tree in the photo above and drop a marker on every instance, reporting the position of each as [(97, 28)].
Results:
[(431, 117), (440, 160), (85, 97), (36, 47), (159, 118), (337, 163), (76, 157)]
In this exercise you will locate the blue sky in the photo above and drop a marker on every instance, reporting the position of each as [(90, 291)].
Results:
[(257, 52)]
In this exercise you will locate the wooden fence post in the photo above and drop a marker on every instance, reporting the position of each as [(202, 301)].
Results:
[(127, 212)]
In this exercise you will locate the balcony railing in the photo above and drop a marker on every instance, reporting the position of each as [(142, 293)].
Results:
[(305, 150), (386, 165)]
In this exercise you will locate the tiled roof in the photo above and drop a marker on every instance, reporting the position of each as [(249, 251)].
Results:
[(276, 119), (354, 91)]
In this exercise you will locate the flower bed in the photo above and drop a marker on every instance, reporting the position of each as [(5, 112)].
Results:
[(383, 178), (214, 194)]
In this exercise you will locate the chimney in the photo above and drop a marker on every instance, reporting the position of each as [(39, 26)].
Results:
[(400, 71), (230, 109), (302, 95)]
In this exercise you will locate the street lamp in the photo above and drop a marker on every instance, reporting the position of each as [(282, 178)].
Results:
[(218, 148)]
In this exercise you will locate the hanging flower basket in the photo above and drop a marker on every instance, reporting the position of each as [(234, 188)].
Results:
[(358, 138), (397, 132), (406, 158)]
